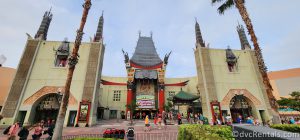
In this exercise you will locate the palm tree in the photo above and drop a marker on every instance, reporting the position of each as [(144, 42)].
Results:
[(72, 63), (240, 5)]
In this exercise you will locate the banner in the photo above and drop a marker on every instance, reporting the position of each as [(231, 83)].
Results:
[(145, 101)]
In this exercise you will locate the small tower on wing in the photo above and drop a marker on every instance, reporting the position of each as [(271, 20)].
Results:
[(199, 39), (99, 32), (43, 29), (243, 38)]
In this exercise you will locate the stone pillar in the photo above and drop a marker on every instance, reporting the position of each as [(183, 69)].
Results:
[(129, 99)]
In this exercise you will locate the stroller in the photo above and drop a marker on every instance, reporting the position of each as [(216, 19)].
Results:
[(130, 133)]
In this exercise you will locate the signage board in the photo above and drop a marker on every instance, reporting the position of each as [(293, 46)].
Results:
[(145, 101)]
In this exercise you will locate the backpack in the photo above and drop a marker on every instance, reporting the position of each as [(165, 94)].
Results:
[(5, 132)]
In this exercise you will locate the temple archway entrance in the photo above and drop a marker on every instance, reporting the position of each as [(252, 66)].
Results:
[(240, 107), (47, 108)]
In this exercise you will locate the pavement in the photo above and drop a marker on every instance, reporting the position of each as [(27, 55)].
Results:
[(169, 132)]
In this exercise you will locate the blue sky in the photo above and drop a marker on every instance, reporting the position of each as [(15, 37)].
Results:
[(276, 23)]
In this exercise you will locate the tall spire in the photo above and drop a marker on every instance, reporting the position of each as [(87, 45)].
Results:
[(43, 30), (199, 39), (243, 38), (99, 32)]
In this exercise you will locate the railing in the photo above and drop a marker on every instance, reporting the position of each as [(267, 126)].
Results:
[(70, 137), (138, 136), (156, 136)]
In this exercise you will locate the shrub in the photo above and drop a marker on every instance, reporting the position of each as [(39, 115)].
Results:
[(203, 132), (287, 127)]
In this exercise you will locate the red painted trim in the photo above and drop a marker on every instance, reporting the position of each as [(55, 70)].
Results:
[(78, 111), (83, 102), (178, 84), (215, 103), (88, 113), (129, 100), (104, 82), (147, 68), (161, 100)]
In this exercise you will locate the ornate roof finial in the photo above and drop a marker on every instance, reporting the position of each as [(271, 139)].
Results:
[(140, 33), (199, 39), (243, 38), (43, 29), (99, 33), (151, 33)]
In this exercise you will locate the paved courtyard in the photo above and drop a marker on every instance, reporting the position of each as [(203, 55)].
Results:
[(166, 133)]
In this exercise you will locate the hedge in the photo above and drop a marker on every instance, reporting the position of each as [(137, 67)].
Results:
[(287, 127), (204, 132)]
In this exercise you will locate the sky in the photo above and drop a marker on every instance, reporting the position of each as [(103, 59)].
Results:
[(276, 24)]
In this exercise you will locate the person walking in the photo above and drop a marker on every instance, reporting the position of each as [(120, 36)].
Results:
[(195, 118), (51, 129), (179, 118), (159, 121), (13, 131), (37, 132), (24, 132), (147, 125)]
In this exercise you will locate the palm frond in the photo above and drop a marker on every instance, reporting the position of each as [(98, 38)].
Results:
[(215, 1), (226, 5)]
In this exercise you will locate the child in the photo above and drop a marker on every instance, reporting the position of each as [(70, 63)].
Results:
[(147, 125), (159, 122), (155, 120)]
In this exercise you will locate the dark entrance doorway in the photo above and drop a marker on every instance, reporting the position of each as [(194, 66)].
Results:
[(72, 116), (47, 109), (113, 114), (21, 117), (239, 107)]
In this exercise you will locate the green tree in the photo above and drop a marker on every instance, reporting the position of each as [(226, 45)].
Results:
[(168, 107), (293, 102), (240, 5)]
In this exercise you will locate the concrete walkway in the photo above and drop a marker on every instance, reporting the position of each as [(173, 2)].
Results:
[(169, 133)]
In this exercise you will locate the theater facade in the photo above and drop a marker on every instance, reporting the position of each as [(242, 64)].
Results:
[(227, 82)]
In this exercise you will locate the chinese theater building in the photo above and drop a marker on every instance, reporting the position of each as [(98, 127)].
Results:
[(147, 87), (227, 82)]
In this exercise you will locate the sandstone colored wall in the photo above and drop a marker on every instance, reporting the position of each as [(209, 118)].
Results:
[(45, 74), (6, 78), (15, 92), (216, 82), (284, 82)]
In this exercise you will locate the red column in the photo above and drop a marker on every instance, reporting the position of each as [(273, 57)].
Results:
[(129, 99), (161, 100)]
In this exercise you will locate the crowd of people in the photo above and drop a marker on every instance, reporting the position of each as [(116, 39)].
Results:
[(290, 120), (16, 130), (166, 118)]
